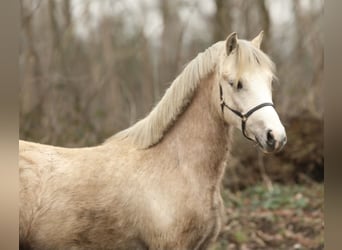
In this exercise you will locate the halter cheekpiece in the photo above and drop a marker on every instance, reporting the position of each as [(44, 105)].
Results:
[(245, 116)]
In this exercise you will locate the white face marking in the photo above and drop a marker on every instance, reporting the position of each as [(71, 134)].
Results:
[(244, 92)]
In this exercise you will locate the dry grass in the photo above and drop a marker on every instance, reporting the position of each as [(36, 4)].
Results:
[(287, 217)]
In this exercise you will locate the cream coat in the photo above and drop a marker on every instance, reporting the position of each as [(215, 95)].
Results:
[(153, 186)]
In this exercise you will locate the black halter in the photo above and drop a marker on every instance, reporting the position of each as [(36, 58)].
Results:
[(245, 116)]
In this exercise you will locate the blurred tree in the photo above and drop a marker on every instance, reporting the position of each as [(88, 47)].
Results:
[(223, 19), (170, 42), (31, 94)]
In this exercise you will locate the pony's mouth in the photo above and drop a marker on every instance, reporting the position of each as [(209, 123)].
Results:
[(264, 148)]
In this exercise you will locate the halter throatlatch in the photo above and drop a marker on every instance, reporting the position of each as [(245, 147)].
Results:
[(245, 116)]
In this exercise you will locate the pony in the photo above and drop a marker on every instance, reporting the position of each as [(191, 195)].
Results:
[(156, 184)]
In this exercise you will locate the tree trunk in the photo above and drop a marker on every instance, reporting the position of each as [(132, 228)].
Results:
[(223, 19)]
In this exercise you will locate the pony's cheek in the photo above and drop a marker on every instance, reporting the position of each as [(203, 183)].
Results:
[(231, 119)]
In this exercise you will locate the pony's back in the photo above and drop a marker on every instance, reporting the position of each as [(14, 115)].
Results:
[(72, 198)]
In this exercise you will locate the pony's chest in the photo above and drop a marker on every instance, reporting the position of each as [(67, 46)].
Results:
[(189, 223)]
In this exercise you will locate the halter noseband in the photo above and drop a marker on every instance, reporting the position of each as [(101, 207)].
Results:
[(245, 116)]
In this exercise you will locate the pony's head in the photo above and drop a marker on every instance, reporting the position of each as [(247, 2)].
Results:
[(243, 93)]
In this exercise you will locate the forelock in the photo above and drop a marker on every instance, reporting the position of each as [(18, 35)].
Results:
[(248, 58)]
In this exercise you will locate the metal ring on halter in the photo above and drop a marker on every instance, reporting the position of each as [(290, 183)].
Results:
[(244, 117)]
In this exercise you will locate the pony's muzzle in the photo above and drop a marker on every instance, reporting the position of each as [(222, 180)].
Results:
[(275, 143)]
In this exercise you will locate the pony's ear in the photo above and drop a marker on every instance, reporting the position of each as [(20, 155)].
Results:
[(258, 39), (231, 43)]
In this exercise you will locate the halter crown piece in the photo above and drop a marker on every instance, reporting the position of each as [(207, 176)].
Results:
[(245, 116)]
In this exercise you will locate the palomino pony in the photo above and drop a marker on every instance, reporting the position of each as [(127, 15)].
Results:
[(155, 185)]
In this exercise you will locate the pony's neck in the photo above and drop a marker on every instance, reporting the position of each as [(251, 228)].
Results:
[(199, 138), (150, 130)]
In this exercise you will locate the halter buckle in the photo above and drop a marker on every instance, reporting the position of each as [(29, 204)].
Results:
[(244, 118)]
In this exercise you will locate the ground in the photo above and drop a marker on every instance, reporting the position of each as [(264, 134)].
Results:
[(277, 217)]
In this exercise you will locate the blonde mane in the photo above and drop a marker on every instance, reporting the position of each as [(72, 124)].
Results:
[(151, 129)]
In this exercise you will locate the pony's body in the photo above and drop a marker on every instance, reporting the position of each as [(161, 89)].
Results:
[(164, 197), (157, 191)]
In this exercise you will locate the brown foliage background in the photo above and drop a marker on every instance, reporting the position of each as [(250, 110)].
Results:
[(91, 68)]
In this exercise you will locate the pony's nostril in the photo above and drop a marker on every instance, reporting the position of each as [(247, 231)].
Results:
[(270, 139), (284, 140)]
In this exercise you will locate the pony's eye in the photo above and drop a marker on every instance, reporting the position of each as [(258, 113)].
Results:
[(239, 85)]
